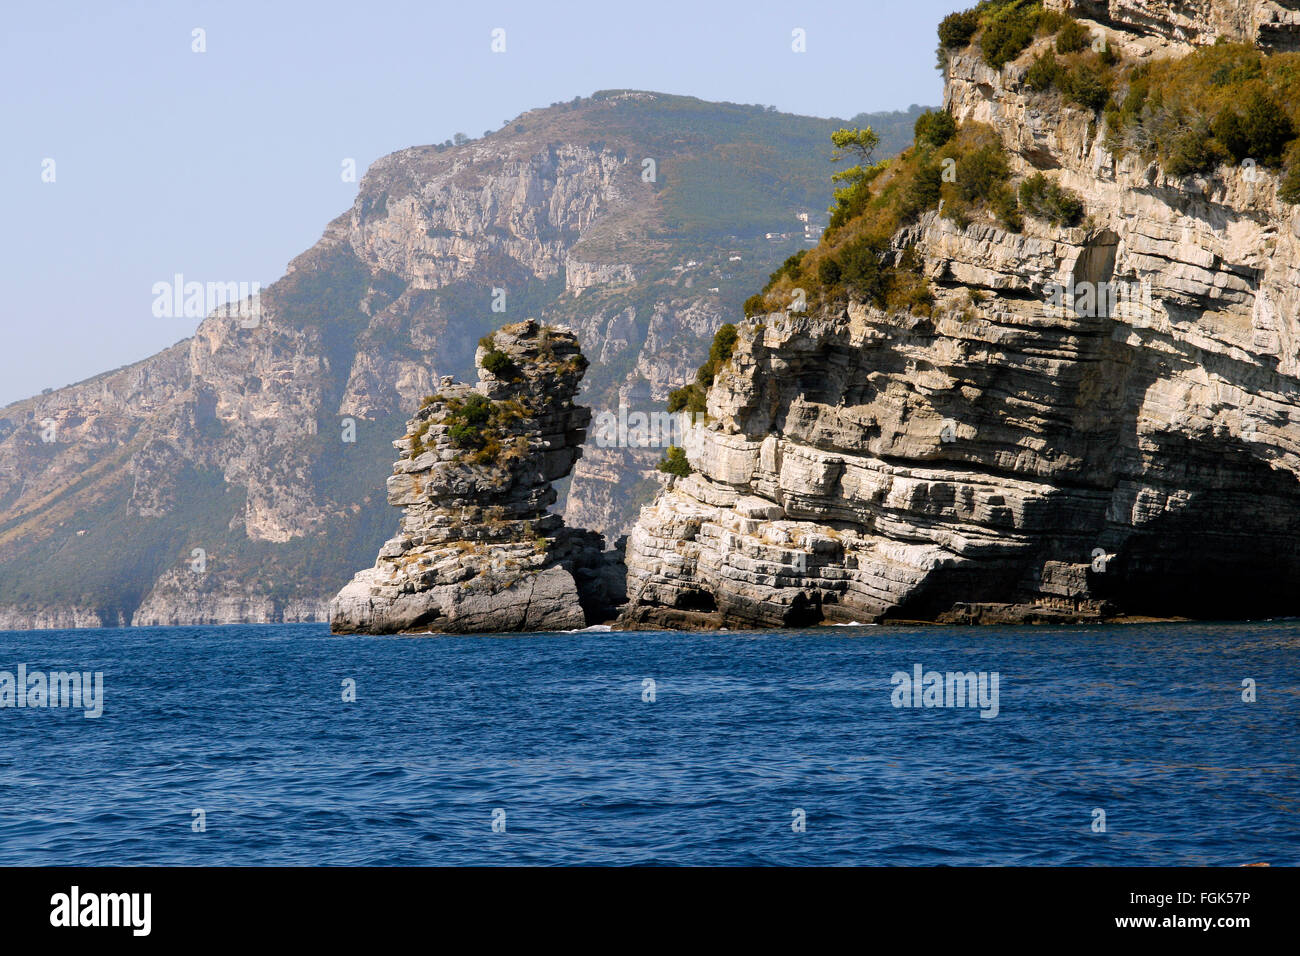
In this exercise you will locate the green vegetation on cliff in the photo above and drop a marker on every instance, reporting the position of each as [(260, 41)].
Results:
[(1041, 197), (690, 398), (466, 420), (475, 425), (1228, 103), (964, 172), (1003, 28), (675, 463)]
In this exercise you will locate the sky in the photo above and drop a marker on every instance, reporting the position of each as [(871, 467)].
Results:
[(222, 165)]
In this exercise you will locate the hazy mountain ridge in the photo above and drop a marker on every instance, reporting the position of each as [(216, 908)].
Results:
[(211, 482)]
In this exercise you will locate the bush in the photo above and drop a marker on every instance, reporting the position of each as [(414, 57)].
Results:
[(1043, 73), (855, 260), (849, 202), (1052, 21), (465, 435), (689, 398), (476, 410), (1073, 37), (1005, 206), (500, 364), (1222, 103), (956, 29), (983, 176), (861, 270), (788, 268), (466, 421), (1194, 151), (857, 179), (674, 462), (922, 192), (981, 173), (1289, 190), (1042, 197), (934, 128), (1008, 32), (1237, 69), (1229, 130), (1260, 133), (1086, 85), (724, 343), (828, 272), (907, 288), (417, 439)]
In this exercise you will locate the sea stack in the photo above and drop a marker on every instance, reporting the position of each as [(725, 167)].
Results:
[(477, 549)]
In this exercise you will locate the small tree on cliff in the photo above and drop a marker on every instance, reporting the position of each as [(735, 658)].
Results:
[(674, 462), (859, 143), (852, 196)]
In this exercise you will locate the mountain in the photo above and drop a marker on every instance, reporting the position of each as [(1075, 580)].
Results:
[(1050, 364), (239, 474)]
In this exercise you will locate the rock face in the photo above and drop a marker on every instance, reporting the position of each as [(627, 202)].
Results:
[(477, 550), (232, 476), (1272, 24), (1003, 459)]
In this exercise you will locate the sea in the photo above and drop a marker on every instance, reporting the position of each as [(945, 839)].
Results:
[(1133, 745)]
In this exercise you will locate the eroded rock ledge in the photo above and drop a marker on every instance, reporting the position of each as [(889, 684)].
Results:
[(999, 460), (477, 550)]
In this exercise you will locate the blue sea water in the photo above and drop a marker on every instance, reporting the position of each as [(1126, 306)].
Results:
[(248, 724)]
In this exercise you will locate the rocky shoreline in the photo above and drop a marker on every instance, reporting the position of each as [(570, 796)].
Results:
[(1084, 419), (993, 459)]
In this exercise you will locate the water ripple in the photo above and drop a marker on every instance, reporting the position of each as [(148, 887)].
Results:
[(748, 738)]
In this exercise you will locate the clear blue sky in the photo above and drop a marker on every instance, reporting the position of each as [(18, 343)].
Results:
[(224, 165)]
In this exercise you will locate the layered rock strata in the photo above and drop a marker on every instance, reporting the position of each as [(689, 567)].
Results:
[(1011, 456), (259, 440), (477, 549), (1272, 24)]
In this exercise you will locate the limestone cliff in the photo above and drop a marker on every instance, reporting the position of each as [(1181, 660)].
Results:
[(1273, 24), (232, 476), (999, 454), (477, 550)]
